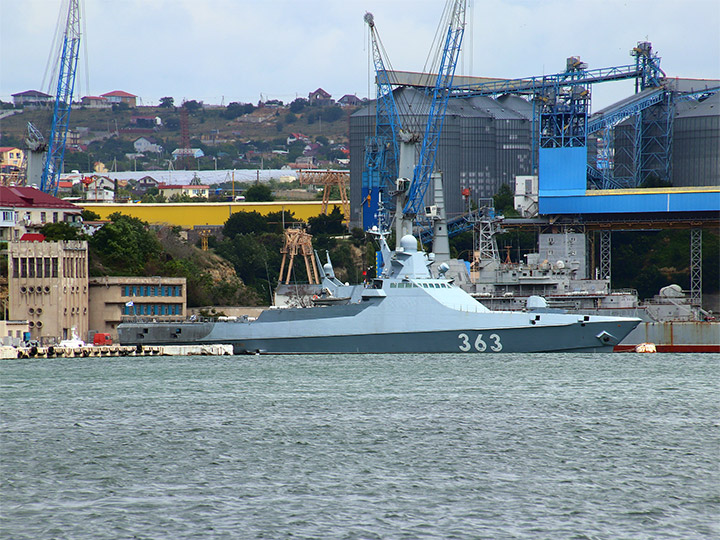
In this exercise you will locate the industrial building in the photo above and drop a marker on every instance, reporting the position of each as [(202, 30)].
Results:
[(488, 140), (485, 142)]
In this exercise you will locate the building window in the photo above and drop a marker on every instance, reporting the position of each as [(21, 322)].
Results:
[(152, 293), (54, 267), (43, 217), (16, 267), (48, 271), (39, 267), (55, 217), (31, 267)]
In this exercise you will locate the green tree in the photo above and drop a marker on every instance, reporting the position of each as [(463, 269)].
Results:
[(167, 102), (328, 224), (89, 215), (193, 105), (125, 245), (59, 231), (259, 193), (275, 221), (245, 223), (235, 109), (504, 201), (298, 105)]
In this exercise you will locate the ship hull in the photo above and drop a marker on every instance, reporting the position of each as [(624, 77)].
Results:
[(271, 338)]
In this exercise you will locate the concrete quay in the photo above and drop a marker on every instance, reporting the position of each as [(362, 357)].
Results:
[(88, 351)]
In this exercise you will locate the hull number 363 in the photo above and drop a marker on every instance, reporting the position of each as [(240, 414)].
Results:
[(479, 344)]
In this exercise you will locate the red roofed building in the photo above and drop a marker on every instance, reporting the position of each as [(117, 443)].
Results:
[(320, 97), (118, 96), (26, 209), (95, 102)]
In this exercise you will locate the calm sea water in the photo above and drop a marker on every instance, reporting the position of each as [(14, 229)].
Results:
[(597, 446)]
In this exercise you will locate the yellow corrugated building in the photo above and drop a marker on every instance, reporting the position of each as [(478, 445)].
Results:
[(189, 215)]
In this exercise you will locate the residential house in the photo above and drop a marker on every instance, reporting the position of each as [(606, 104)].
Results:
[(99, 188), (296, 137), (118, 96), (65, 187), (26, 209), (146, 121), (95, 102), (320, 97), (143, 185), (189, 190), (349, 100), (9, 155), (31, 99), (192, 152), (144, 145)]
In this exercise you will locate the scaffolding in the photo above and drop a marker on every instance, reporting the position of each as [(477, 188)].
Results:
[(328, 179), (297, 241)]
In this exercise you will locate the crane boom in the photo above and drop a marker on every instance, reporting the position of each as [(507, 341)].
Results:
[(438, 107), (381, 150), (63, 100)]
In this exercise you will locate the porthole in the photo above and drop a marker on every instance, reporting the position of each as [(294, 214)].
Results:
[(31, 311), (23, 290), (31, 324), (31, 290), (39, 311), (84, 311), (65, 290), (39, 324), (65, 311), (47, 289)]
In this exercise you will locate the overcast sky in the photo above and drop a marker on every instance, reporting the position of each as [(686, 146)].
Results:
[(219, 51)]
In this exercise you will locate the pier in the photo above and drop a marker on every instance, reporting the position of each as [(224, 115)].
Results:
[(89, 351)]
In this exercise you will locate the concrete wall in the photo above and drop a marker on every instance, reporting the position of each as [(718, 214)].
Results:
[(53, 295)]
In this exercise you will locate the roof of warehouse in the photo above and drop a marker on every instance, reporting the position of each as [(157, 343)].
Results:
[(706, 107)]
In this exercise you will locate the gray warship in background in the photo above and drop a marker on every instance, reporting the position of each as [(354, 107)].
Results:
[(406, 309)]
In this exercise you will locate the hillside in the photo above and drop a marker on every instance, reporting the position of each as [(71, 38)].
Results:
[(236, 136)]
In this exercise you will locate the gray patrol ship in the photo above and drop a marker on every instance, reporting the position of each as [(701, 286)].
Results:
[(406, 309)]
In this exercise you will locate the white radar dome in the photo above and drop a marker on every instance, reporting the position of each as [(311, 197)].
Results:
[(408, 243)]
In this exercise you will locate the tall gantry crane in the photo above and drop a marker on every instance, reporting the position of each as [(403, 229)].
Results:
[(381, 150), (438, 107), (69, 52), (388, 153)]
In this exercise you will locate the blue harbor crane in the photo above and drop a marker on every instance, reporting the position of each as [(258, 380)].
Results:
[(69, 52), (381, 150), (438, 107)]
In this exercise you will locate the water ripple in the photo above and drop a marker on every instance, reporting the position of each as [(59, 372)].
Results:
[(361, 447)]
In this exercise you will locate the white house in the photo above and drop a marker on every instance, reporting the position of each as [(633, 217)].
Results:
[(100, 188), (182, 152), (143, 145)]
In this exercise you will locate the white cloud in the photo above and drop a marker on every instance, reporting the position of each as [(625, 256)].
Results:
[(237, 49)]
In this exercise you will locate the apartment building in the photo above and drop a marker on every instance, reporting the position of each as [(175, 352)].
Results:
[(48, 287)]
